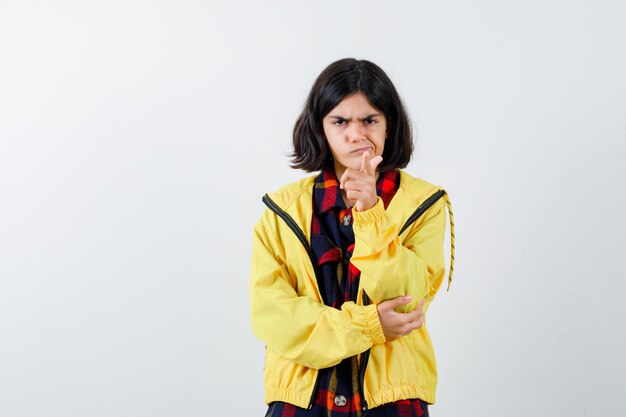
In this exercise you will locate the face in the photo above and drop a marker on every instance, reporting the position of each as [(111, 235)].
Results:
[(353, 127)]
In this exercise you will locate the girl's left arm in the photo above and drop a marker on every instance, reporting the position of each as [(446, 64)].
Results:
[(391, 268)]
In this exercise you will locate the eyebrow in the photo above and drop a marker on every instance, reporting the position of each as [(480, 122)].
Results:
[(369, 116)]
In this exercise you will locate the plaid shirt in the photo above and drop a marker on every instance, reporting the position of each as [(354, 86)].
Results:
[(332, 241)]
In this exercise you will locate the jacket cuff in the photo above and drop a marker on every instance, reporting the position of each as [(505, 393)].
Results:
[(372, 322), (371, 215)]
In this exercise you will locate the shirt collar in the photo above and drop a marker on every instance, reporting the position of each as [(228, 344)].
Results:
[(326, 192)]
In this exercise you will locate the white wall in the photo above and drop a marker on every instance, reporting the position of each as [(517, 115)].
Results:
[(137, 137)]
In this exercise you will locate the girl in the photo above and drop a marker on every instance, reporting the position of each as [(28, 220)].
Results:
[(346, 262)]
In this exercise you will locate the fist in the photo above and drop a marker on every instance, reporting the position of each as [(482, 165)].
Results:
[(360, 186)]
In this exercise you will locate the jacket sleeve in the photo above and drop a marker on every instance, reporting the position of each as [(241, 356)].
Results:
[(391, 268), (301, 328)]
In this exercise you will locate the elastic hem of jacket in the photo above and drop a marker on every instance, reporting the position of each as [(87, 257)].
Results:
[(374, 328), (298, 398), (402, 392), (369, 216), (376, 399)]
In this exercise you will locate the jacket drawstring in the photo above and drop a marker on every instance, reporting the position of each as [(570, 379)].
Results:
[(451, 217)]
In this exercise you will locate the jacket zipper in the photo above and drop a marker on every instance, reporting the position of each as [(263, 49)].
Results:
[(363, 365), (293, 226), (422, 208), (301, 236)]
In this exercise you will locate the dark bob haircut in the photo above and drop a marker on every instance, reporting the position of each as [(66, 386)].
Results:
[(338, 80)]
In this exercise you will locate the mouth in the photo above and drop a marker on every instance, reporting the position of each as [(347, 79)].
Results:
[(362, 150)]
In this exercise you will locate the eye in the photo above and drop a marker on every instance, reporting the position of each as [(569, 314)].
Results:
[(339, 122), (370, 121)]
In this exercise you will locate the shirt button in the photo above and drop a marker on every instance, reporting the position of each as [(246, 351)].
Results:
[(340, 401)]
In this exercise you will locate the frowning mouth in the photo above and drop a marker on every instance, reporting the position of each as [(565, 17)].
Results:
[(364, 149)]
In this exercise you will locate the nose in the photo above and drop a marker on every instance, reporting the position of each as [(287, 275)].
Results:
[(356, 131)]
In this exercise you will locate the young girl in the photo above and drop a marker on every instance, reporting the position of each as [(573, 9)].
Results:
[(346, 262)]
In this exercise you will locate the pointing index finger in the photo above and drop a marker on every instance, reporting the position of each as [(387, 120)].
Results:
[(374, 162), (366, 167)]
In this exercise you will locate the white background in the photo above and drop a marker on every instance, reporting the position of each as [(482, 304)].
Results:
[(137, 138)]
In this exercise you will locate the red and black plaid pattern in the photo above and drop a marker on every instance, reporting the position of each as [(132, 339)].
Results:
[(332, 241), (332, 237)]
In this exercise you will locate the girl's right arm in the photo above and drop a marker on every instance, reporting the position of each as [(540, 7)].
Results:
[(301, 328)]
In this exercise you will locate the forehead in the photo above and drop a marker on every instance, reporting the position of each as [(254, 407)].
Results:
[(355, 104)]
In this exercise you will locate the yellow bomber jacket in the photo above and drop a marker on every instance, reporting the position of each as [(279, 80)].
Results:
[(302, 335)]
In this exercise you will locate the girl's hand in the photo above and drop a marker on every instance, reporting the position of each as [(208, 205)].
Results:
[(360, 186), (394, 324)]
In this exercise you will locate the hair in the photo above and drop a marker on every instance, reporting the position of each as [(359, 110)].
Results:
[(338, 80)]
